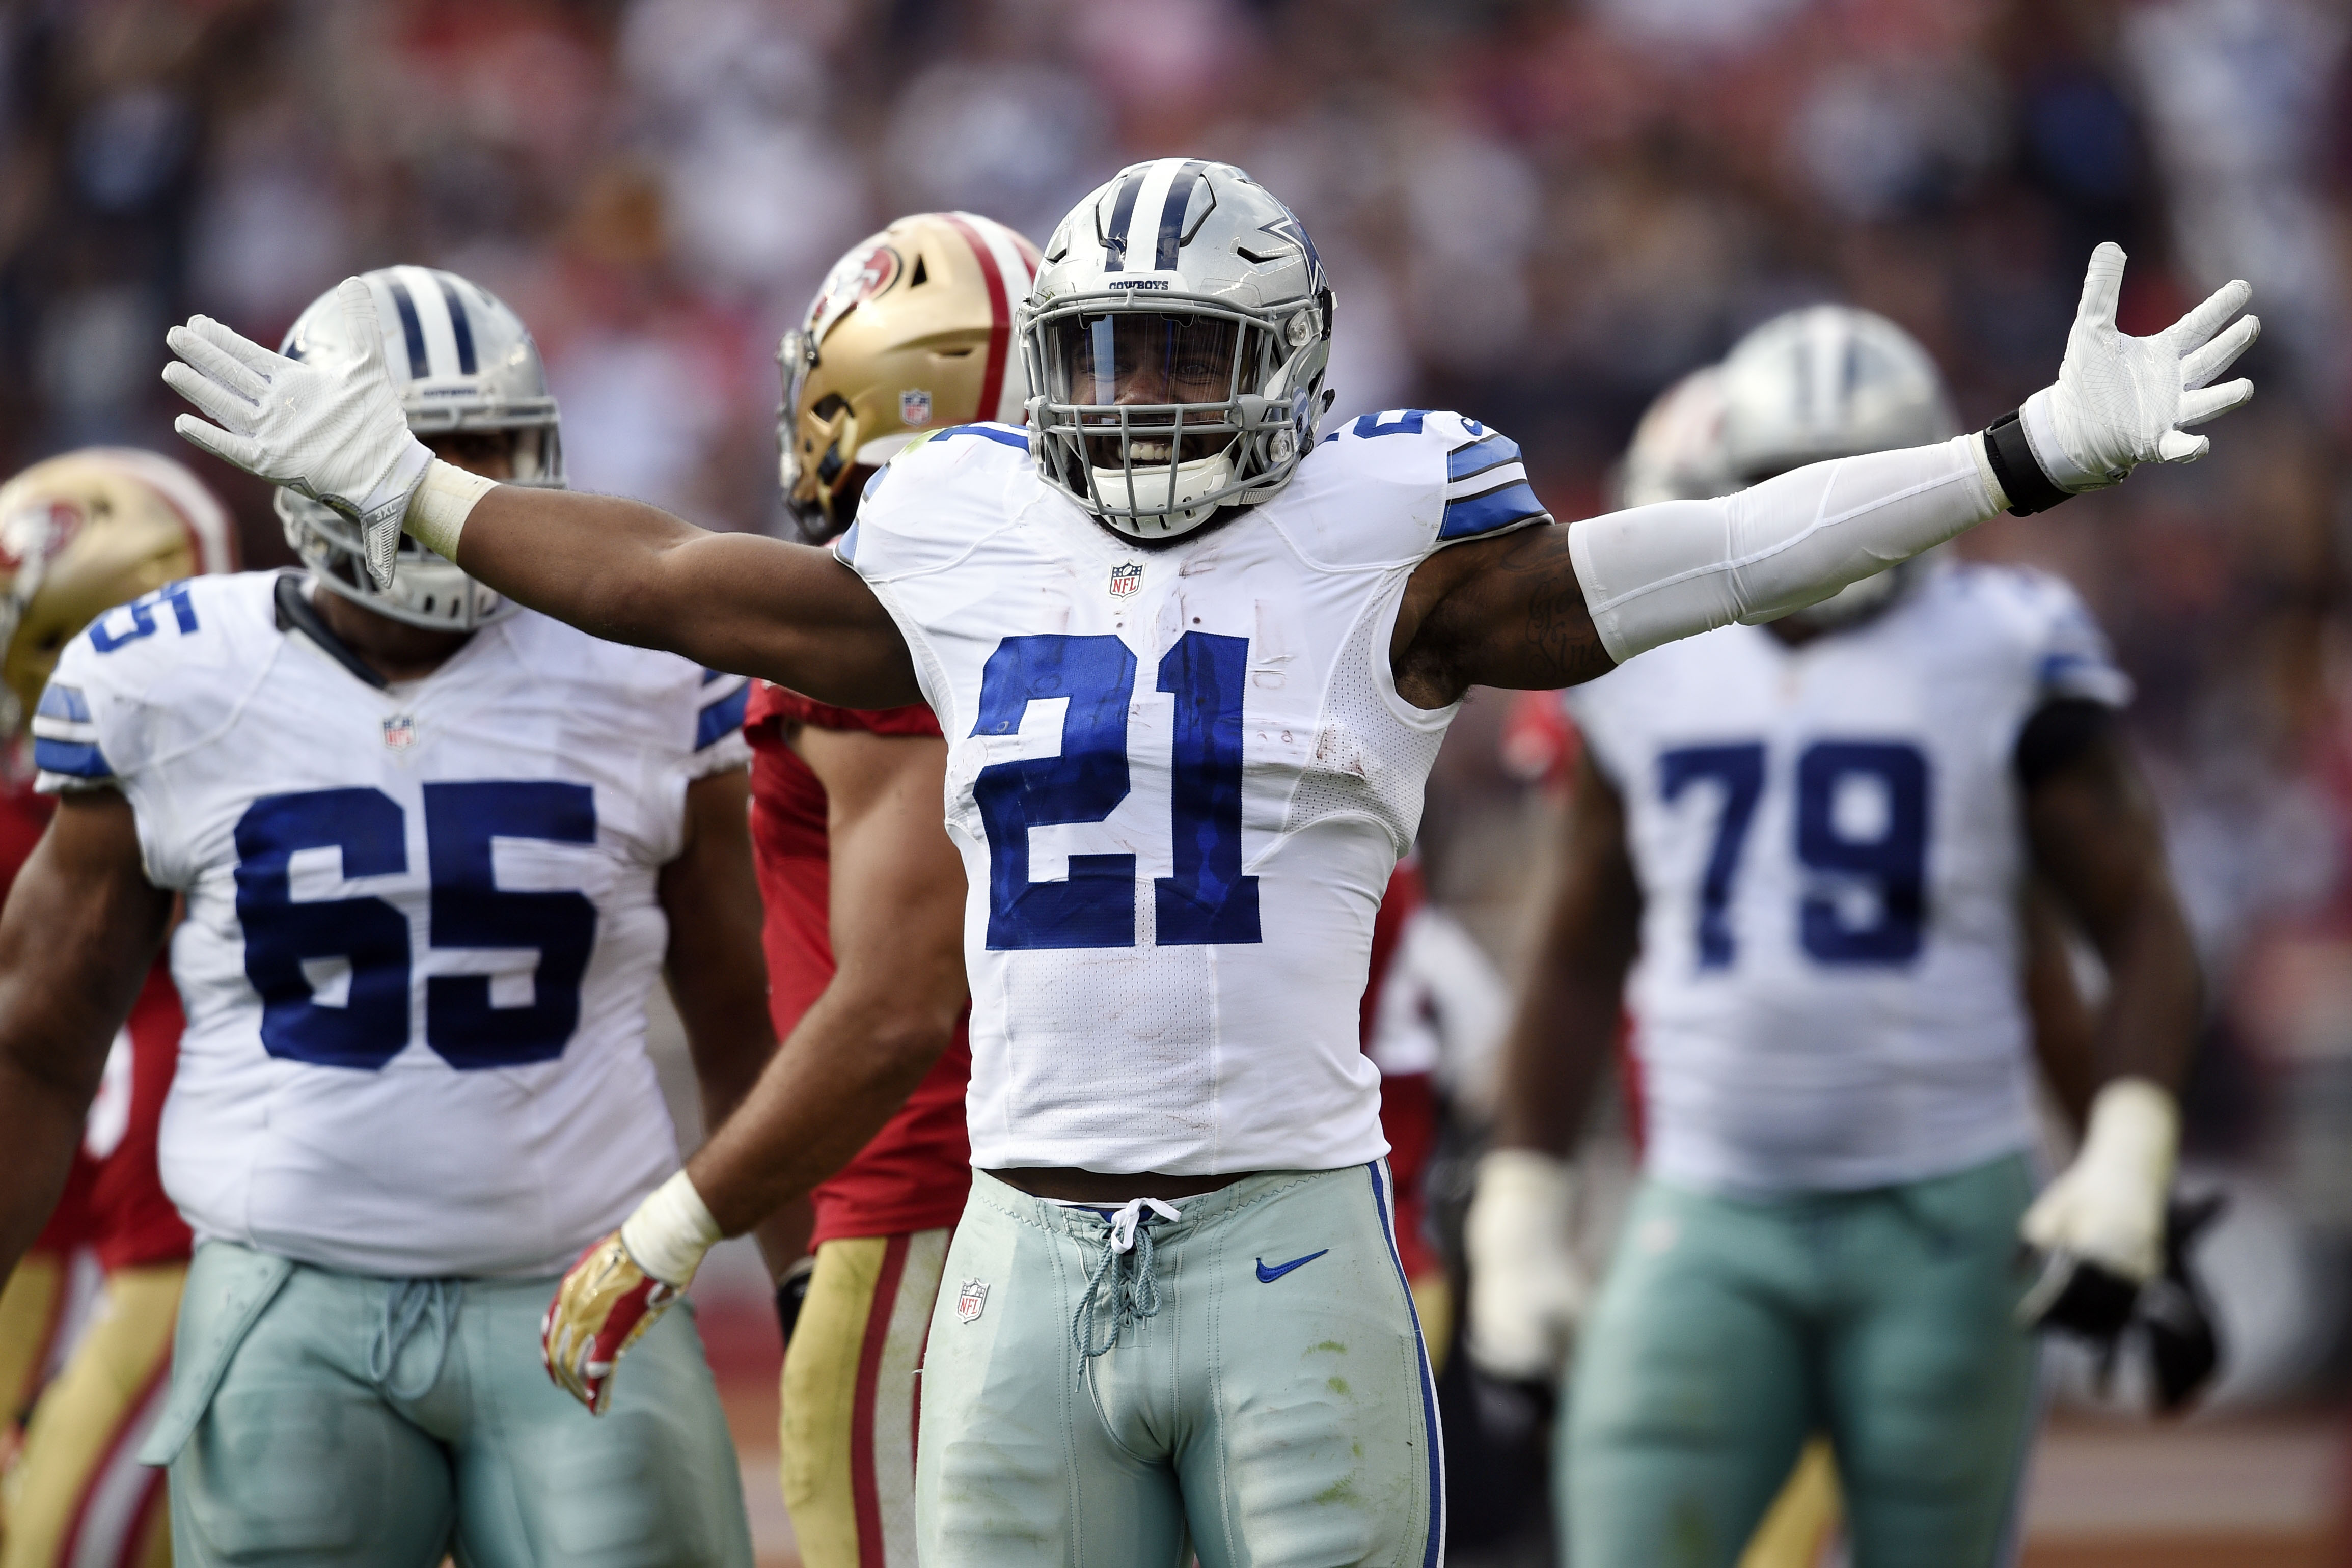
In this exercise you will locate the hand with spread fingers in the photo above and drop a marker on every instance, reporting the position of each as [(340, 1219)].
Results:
[(2120, 401), (333, 432), (621, 1287)]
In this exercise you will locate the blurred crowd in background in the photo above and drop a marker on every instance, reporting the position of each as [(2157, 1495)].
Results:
[(1540, 212)]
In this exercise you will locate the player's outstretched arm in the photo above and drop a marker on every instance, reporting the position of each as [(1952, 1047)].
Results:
[(81, 926), (1525, 1288), (622, 569), (2098, 842), (1554, 606), (898, 891)]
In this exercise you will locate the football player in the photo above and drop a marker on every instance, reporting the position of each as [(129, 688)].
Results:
[(79, 534), (434, 852), (1196, 657), (1819, 835), (864, 897)]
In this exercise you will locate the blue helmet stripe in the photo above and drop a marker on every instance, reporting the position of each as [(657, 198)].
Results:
[(1122, 213), (410, 327), (459, 324), (1172, 213)]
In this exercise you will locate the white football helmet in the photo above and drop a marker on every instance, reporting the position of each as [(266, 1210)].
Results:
[(1678, 449), (1830, 381), (1176, 340), (461, 360)]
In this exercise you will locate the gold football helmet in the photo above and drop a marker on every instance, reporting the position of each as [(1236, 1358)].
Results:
[(80, 534), (911, 332)]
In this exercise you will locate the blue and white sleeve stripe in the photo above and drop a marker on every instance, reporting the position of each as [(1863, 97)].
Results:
[(1486, 489), (724, 698), (65, 742)]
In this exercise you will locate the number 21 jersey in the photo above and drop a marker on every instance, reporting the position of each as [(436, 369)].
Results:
[(1832, 858), (1180, 779), (421, 920)]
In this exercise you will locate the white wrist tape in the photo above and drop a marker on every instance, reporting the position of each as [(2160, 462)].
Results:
[(1654, 573), (670, 1231), (2134, 1133), (1525, 1203), (440, 504)]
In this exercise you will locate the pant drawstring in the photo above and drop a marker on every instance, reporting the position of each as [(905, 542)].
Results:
[(1134, 1290), (405, 1308)]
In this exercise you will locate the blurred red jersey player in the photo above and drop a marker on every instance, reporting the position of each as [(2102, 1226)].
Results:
[(80, 534)]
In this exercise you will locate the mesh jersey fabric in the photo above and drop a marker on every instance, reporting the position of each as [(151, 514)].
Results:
[(913, 1174)]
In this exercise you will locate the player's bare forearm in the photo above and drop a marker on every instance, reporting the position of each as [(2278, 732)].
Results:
[(81, 927), (898, 891), (2097, 841), (2065, 1036), (1565, 1025), (1496, 613), (633, 573), (718, 976)]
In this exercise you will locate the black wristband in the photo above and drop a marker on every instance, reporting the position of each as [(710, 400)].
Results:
[(2021, 479)]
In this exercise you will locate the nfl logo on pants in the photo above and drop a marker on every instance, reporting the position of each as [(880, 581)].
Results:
[(970, 1300)]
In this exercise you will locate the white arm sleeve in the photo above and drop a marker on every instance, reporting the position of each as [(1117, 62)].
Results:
[(1652, 574)]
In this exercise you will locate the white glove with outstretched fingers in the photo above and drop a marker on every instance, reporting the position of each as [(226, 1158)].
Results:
[(331, 430), (2120, 401), (1527, 1288), (2108, 1207)]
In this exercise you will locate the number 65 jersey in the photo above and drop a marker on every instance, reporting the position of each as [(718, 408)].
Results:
[(1180, 779), (1831, 849), (421, 920)]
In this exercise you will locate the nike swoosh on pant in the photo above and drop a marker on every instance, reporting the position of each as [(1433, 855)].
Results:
[(1266, 1276)]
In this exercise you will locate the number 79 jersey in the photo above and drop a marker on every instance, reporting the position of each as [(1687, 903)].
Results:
[(1180, 779), (421, 920), (1830, 853)]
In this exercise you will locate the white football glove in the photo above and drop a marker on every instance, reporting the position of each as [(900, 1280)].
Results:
[(2109, 1206), (333, 431), (2120, 401), (1527, 1288)]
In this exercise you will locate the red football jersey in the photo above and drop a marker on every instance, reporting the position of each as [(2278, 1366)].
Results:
[(915, 1174), (113, 1201)]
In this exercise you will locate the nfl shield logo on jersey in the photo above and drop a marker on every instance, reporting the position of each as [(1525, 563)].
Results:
[(1125, 581), (970, 1300), (914, 406), (400, 731)]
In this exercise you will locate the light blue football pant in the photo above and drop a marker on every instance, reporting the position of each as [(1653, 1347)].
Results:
[(1728, 1329), (325, 1419), (1276, 1409)]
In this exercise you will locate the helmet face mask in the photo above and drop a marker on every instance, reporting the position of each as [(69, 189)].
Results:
[(466, 367), (1163, 393)]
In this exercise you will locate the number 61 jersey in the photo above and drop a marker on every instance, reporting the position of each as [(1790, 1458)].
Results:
[(1832, 857), (421, 920), (1180, 779)]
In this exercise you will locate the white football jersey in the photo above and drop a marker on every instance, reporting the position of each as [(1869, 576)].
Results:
[(421, 920), (1832, 857), (1179, 778)]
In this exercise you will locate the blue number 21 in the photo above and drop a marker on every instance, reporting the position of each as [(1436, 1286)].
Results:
[(1208, 900), (370, 936)]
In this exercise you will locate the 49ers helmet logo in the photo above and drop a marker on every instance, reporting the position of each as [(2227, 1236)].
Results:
[(856, 278)]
